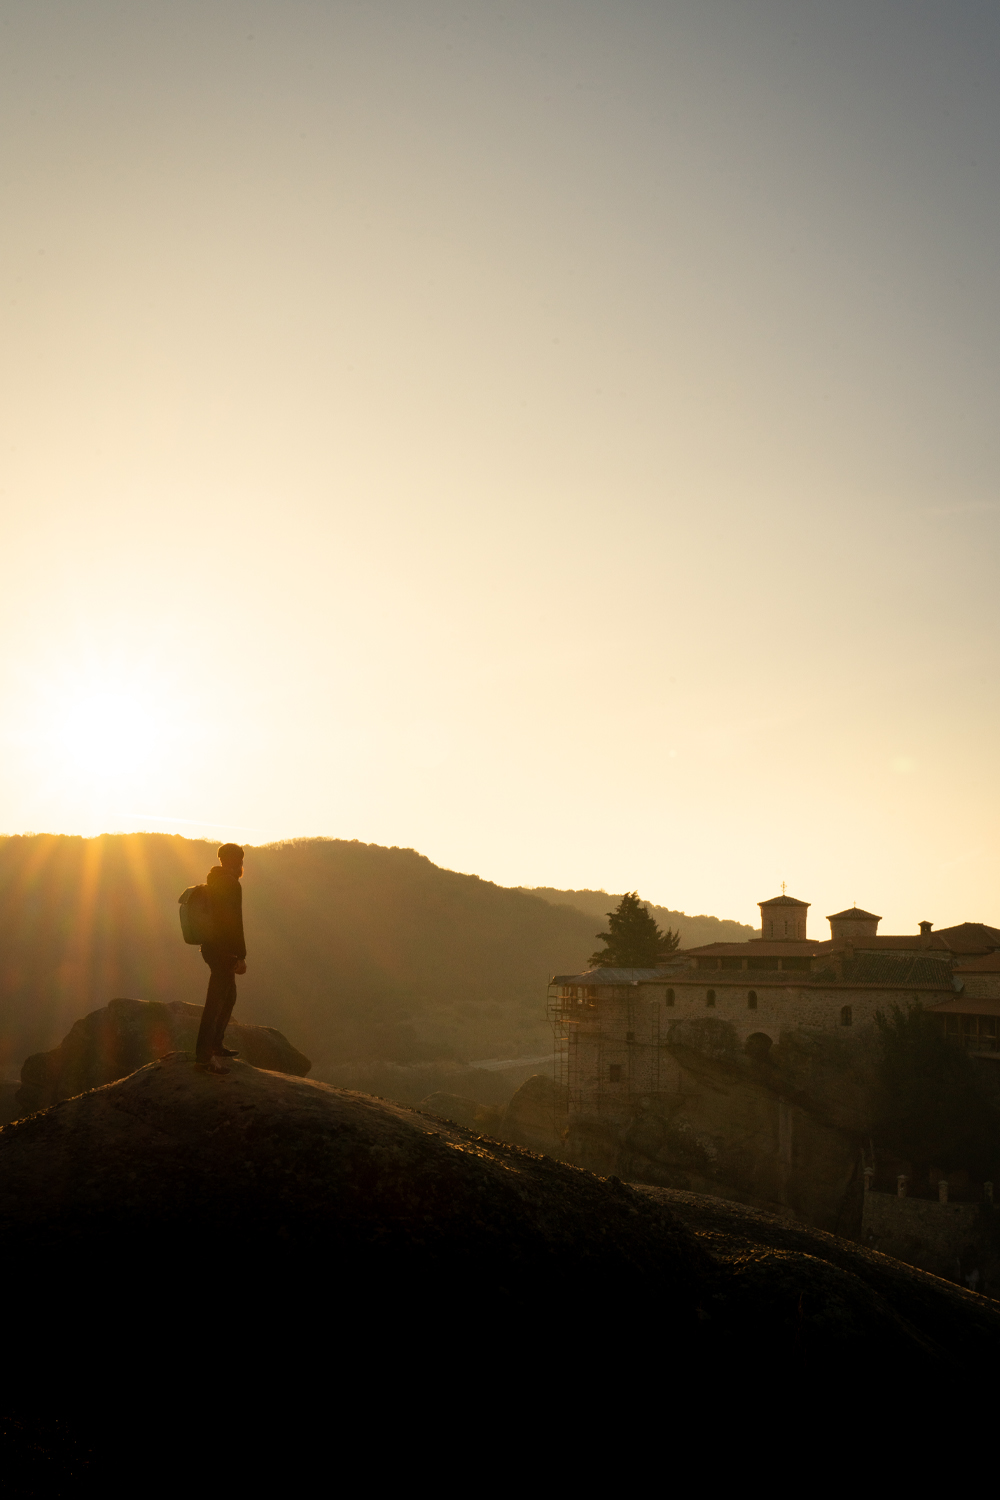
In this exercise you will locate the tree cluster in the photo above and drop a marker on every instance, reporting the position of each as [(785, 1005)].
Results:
[(633, 940)]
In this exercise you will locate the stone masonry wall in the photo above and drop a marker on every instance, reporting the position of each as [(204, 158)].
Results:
[(779, 1005), (981, 986), (937, 1237)]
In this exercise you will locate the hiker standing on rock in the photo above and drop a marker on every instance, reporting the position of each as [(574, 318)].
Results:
[(225, 955)]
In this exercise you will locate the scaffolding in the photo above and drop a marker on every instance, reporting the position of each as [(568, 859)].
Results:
[(607, 1052)]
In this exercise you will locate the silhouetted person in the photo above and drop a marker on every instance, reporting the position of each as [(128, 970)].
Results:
[(225, 956)]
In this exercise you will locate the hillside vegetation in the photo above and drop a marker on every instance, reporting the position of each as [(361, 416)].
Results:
[(356, 952), (694, 931)]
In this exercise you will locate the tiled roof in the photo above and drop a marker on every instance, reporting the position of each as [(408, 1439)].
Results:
[(970, 937), (990, 964), (759, 948), (609, 976), (784, 901), (854, 911), (881, 968), (739, 978), (913, 942)]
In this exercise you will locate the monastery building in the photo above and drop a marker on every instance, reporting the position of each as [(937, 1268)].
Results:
[(613, 1025)]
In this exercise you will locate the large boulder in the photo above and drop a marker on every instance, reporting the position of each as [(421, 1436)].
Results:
[(127, 1034), (536, 1116), (338, 1216)]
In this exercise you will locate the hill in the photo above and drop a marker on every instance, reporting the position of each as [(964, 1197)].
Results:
[(356, 952), (694, 931)]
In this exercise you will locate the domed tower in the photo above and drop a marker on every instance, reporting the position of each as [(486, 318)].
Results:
[(783, 918), (852, 926)]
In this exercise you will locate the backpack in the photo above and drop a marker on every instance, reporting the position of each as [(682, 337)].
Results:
[(196, 914)]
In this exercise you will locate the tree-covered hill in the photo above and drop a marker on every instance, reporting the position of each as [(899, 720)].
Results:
[(356, 951), (694, 931)]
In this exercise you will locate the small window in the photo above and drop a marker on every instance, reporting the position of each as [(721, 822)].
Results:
[(752, 1000), (710, 998), (615, 1072), (846, 1015), (670, 997)]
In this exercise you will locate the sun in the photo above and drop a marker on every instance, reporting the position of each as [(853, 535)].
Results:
[(110, 730), (107, 728)]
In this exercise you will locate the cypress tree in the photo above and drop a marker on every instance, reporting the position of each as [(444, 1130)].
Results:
[(633, 939)]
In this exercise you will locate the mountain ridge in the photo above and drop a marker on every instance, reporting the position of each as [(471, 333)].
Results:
[(695, 931), (356, 951)]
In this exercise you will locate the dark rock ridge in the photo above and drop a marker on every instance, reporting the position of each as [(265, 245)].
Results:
[(528, 1120), (126, 1035), (325, 1213), (485, 1119)]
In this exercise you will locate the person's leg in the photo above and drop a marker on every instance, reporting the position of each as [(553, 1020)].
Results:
[(221, 980), (225, 1010)]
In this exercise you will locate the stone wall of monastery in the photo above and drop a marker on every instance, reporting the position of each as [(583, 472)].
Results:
[(980, 986), (779, 1006)]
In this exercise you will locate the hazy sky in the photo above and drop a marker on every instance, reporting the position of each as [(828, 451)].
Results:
[(558, 436)]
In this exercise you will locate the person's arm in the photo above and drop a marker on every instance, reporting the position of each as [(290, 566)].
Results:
[(241, 942)]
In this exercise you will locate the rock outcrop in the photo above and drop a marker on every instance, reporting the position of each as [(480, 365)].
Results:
[(127, 1034), (532, 1118), (780, 1127), (310, 1209), (536, 1115)]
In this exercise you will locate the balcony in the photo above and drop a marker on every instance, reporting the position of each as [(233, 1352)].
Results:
[(974, 1033)]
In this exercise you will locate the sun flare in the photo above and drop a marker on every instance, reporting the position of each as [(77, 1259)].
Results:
[(110, 731)]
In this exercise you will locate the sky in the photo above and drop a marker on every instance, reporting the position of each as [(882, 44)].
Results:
[(559, 437)]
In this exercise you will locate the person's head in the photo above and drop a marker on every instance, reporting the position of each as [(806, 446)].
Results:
[(231, 858)]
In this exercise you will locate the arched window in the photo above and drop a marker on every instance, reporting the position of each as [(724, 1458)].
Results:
[(670, 997), (710, 998), (846, 1015), (752, 1000)]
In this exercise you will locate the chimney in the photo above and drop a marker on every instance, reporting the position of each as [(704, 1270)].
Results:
[(925, 934)]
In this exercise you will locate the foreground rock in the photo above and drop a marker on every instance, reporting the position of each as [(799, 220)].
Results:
[(536, 1115), (484, 1119), (125, 1035), (318, 1211)]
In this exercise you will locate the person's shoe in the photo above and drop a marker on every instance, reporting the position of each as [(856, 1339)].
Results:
[(225, 1052), (210, 1067)]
